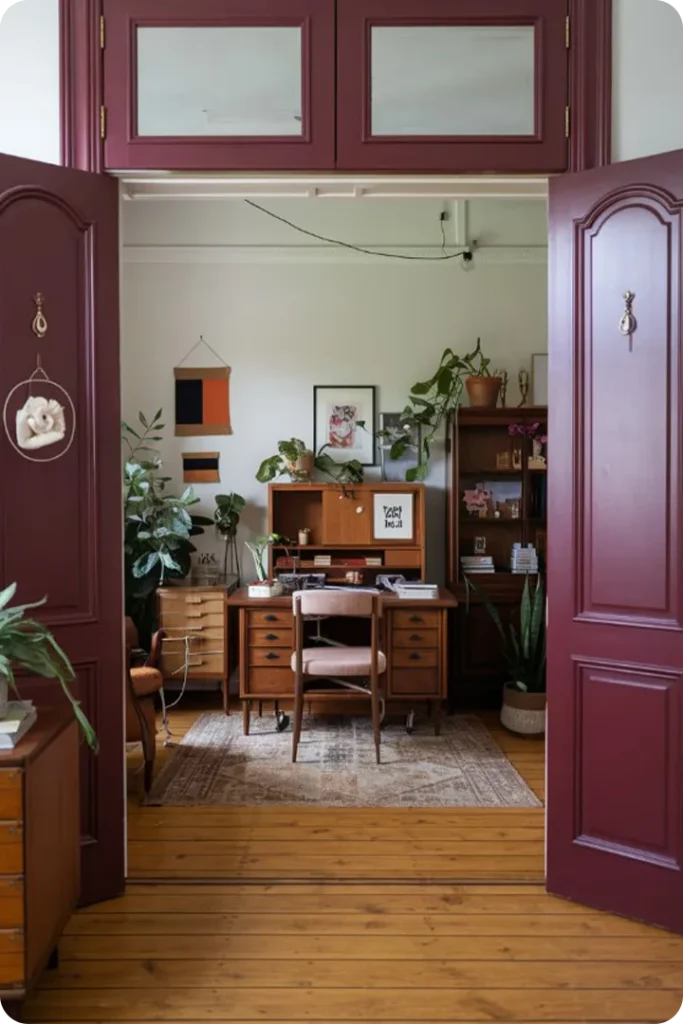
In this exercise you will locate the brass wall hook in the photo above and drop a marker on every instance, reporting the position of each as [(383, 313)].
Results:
[(39, 325)]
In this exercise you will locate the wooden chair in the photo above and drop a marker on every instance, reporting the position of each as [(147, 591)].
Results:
[(143, 680), (338, 663)]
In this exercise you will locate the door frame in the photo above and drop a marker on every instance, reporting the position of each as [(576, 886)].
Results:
[(83, 39)]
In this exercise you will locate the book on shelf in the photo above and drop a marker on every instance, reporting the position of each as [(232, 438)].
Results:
[(477, 565), (322, 560), (373, 562), (417, 590), (21, 715)]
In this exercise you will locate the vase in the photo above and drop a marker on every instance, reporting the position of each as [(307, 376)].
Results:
[(302, 469), (483, 391), (523, 713), (4, 697)]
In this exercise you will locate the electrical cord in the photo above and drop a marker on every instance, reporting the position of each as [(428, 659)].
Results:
[(465, 255)]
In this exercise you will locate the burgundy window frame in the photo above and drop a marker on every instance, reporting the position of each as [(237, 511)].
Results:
[(590, 89)]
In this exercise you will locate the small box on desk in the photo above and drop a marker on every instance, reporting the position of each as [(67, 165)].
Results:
[(265, 588)]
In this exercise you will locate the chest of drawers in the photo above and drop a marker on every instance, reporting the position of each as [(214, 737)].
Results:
[(194, 622)]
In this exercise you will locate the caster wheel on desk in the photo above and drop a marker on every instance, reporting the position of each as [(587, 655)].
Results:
[(410, 723), (281, 721)]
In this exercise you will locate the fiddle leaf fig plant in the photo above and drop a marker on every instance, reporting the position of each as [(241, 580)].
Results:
[(28, 644)]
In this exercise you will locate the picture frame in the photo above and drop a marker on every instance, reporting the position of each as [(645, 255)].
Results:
[(393, 517), (394, 470), (344, 419), (539, 378)]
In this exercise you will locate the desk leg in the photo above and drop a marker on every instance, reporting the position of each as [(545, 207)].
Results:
[(246, 711), (436, 714)]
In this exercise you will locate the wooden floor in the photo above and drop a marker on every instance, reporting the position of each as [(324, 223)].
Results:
[(352, 953), (347, 952), (340, 844)]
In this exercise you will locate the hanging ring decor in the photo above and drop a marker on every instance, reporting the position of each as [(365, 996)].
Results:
[(40, 422), (39, 325)]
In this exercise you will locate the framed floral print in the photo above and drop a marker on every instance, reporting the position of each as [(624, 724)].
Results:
[(344, 422)]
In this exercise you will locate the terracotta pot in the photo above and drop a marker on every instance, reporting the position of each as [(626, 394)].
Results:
[(483, 391), (302, 469), (523, 713)]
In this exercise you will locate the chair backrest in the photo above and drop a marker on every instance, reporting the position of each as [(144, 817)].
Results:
[(334, 602)]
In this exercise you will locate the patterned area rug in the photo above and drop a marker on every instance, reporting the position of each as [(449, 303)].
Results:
[(216, 765)]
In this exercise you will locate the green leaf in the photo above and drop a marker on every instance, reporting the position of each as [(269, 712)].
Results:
[(421, 389), (417, 474), (130, 430), (398, 449), (7, 594), (444, 383), (142, 419)]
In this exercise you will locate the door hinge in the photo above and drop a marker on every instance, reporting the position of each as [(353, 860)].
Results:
[(103, 33), (568, 32), (567, 122), (103, 122)]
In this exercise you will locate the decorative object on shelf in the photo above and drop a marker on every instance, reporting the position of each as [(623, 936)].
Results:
[(202, 397), (294, 458), (517, 458), (353, 577), (503, 460), (28, 644), (157, 526), (207, 572), (304, 537), (400, 445), (523, 381), (41, 422), (478, 500), (229, 508), (534, 432), (523, 561), (435, 401), (539, 378), (504, 381), (344, 423), (524, 697), (628, 323), (482, 388), (265, 588), (480, 545), (201, 467), (39, 325), (259, 552), (393, 516)]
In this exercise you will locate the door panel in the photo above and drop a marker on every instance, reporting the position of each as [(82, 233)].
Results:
[(347, 517), (615, 583), (60, 521)]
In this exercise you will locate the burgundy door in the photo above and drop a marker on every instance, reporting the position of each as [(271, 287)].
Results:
[(60, 520), (615, 643)]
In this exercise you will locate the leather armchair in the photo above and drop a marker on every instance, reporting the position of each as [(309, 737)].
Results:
[(143, 680)]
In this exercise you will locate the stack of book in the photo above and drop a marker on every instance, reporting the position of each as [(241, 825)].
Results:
[(21, 715), (320, 561), (413, 590), (523, 560), (477, 564)]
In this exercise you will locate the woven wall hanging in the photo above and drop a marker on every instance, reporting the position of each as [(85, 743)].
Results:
[(201, 467), (202, 398)]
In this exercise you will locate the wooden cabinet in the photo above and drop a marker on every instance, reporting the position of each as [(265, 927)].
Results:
[(194, 623), (347, 518), (39, 848), (436, 86)]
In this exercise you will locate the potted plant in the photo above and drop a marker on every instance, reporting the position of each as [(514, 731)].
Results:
[(229, 508), (482, 388), (293, 458), (28, 644), (524, 696), (264, 587), (157, 526)]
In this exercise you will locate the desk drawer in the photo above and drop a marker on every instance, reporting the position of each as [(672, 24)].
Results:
[(11, 903), (11, 801), (11, 848), (411, 617), (404, 658), (12, 965), (271, 657), (415, 638), (175, 635), (270, 682), (266, 618), (199, 663), (271, 638), (190, 620), (191, 601), (420, 682)]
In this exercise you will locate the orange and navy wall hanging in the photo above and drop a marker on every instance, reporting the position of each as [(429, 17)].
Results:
[(202, 401), (201, 467)]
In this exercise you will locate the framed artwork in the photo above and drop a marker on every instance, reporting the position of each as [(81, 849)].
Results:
[(393, 516), (395, 469), (539, 379), (344, 423)]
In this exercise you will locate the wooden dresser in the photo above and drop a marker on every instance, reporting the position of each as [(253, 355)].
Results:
[(194, 621), (39, 848)]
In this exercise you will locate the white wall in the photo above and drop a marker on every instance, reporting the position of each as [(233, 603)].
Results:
[(287, 316), (29, 81), (648, 78)]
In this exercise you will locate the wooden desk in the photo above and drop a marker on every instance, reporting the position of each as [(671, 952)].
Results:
[(415, 641)]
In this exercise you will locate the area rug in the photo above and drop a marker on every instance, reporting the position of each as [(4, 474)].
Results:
[(216, 765)]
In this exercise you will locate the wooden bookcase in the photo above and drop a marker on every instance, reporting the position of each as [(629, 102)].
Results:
[(341, 521), (479, 445)]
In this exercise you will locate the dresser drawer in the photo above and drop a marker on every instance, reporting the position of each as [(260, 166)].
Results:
[(199, 663), (429, 619), (11, 848), (191, 601), (271, 637), (418, 682), (11, 806), (271, 657), (12, 960), (270, 682), (415, 638), (190, 620), (265, 618), (405, 658), (175, 634), (11, 903)]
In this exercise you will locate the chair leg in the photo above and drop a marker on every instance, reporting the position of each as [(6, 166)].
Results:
[(298, 714), (376, 724)]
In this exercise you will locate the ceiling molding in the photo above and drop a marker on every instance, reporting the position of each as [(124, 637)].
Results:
[(250, 254)]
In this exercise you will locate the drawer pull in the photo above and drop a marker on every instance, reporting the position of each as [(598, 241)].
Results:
[(271, 636), (415, 656), (416, 636), (271, 618), (270, 656), (416, 618)]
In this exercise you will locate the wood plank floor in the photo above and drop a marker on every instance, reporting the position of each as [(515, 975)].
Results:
[(265, 844), (352, 953)]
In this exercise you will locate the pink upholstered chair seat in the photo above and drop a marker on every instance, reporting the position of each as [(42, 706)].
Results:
[(339, 661)]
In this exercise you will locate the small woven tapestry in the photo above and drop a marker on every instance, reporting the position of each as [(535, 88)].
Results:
[(201, 467), (202, 401)]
